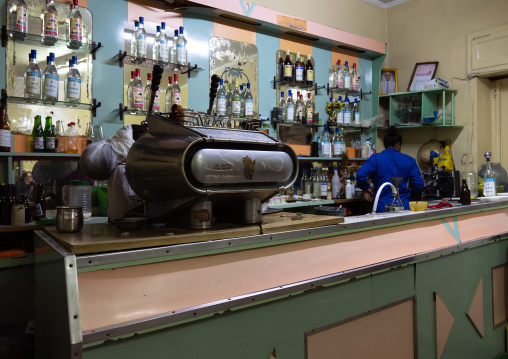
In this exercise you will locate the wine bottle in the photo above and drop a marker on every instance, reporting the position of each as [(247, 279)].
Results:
[(5, 128), (309, 72), (37, 136), (288, 68), (465, 194), (299, 69), (49, 136)]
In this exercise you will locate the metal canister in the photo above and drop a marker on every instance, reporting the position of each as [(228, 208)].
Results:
[(69, 219)]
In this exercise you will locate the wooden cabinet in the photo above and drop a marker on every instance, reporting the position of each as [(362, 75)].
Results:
[(486, 51)]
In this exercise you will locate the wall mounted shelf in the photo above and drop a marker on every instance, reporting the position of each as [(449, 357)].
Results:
[(124, 59)]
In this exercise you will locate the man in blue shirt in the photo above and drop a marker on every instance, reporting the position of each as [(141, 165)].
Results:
[(383, 166)]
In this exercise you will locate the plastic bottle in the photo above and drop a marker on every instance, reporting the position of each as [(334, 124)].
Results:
[(349, 189), (65, 192), (327, 145), (71, 136), (335, 184), (316, 184), (80, 194)]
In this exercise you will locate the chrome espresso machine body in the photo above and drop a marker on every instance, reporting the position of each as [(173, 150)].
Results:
[(183, 172)]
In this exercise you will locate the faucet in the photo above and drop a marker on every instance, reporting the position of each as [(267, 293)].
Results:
[(395, 192)]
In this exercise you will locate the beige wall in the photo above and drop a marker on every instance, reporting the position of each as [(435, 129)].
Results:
[(436, 30), (347, 15)]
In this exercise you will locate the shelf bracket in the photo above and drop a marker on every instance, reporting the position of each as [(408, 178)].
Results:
[(121, 56), (121, 110), (95, 106), (4, 35), (95, 48), (316, 88), (188, 72)]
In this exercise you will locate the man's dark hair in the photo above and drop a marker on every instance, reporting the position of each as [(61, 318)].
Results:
[(392, 137)]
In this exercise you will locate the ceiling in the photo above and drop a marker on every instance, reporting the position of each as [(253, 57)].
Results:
[(386, 3)]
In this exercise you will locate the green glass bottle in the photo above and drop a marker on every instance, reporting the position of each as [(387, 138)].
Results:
[(49, 135), (37, 136)]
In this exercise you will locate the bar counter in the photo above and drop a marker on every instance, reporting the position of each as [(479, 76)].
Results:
[(114, 284)]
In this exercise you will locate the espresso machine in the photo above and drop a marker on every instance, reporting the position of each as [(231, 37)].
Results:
[(190, 171)]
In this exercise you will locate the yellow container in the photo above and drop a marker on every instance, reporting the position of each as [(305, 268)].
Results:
[(418, 206)]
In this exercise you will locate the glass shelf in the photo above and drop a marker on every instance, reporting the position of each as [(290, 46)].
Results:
[(293, 84), (123, 58), (422, 126), (332, 159), (39, 154), (39, 102), (35, 40)]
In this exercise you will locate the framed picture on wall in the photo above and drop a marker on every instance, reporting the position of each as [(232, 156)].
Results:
[(422, 73), (388, 83)]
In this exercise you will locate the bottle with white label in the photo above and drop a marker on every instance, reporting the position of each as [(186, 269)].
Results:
[(49, 17), (299, 108), (347, 113), (155, 47), (339, 76), (249, 102), (355, 79), (33, 78), (282, 107), (173, 56), (5, 127), (162, 44), (489, 180), (340, 113), (129, 90), (141, 39), (169, 90), (336, 145), (324, 183), (309, 109), (356, 111), (137, 92), (19, 17), (221, 99), (181, 48), (327, 145), (50, 80), (290, 108), (299, 69), (73, 82), (148, 94), (335, 184), (316, 184), (75, 28), (236, 101), (176, 94), (347, 77)]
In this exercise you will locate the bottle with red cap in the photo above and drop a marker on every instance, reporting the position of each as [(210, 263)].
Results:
[(176, 95), (129, 90), (137, 92), (169, 90), (148, 94), (355, 76), (71, 136)]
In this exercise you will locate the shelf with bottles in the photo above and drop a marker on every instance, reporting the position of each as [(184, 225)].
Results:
[(123, 58), (353, 93), (51, 103), (279, 84), (412, 127), (319, 159)]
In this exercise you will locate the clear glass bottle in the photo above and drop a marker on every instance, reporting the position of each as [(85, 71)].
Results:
[(129, 91), (489, 180), (181, 48), (19, 17), (99, 135), (316, 184), (331, 77), (290, 108), (134, 46), (176, 93), (221, 99), (59, 138), (336, 147), (303, 181), (173, 54), (355, 79), (90, 133), (156, 44), (324, 183), (169, 90), (249, 102), (33, 78), (163, 44), (335, 184), (356, 111), (347, 113), (342, 141), (73, 82), (75, 29), (320, 146), (137, 92), (51, 79), (339, 76), (242, 96), (308, 184), (347, 77), (236, 101), (141, 39), (309, 109), (327, 145), (472, 182), (299, 108), (49, 17), (147, 92), (340, 114), (71, 136), (282, 107)]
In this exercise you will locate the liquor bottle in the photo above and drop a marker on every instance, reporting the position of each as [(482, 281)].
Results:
[(340, 114), (163, 44), (356, 111), (465, 194), (288, 68), (9, 202), (332, 78), (308, 184), (327, 146), (75, 28), (335, 184), (129, 90), (49, 17), (169, 90), (19, 17), (236, 101), (181, 48), (320, 146), (324, 182), (228, 100), (221, 99), (176, 94), (141, 39), (49, 136), (242, 96), (71, 138), (134, 49), (347, 77), (39, 209), (59, 138), (299, 70), (147, 92), (73, 82), (309, 109), (156, 44), (489, 180), (299, 108), (316, 184), (5, 128), (347, 113), (290, 108), (339, 76), (90, 134), (33, 78), (137, 92), (303, 181), (309, 72), (282, 107), (51, 79), (174, 54), (355, 79), (99, 134), (336, 147), (342, 141), (280, 69), (37, 136), (249, 102)]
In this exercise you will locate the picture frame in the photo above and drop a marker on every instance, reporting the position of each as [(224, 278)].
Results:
[(422, 73), (388, 82)]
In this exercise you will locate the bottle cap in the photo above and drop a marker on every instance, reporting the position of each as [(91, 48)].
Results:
[(354, 66), (133, 75), (248, 85), (176, 77), (48, 59), (338, 62), (289, 93), (282, 94), (340, 98), (75, 60), (141, 19), (317, 168), (33, 52), (181, 30), (136, 23), (241, 87), (72, 123), (221, 81), (170, 79), (158, 28), (346, 64), (176, 33), (308, 95), (149, 77), (163, 25), (52, 55)]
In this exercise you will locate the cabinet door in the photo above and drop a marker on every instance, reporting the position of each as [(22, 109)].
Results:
[(487, 51)]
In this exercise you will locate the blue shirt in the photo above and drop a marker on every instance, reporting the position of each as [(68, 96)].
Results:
[(381, 167)]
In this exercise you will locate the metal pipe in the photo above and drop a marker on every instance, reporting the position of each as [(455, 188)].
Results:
[(394, 192)]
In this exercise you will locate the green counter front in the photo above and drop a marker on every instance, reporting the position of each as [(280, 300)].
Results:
[(397, 285)]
